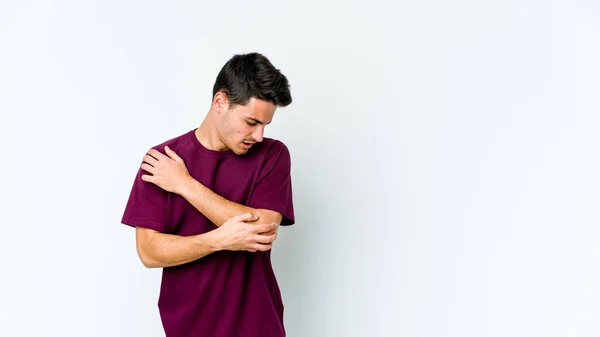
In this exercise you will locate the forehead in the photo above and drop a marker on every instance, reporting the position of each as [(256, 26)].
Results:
[(259, 109)]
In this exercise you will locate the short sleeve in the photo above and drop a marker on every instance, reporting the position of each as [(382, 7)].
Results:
[(273, 189), (147, 205)]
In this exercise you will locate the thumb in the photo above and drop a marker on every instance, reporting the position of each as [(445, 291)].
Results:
[(246, 217)]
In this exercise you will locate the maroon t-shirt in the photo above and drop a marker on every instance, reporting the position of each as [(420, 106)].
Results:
[(227, 293)]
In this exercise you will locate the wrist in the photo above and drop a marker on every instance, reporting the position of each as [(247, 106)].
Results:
[(188, 188), (211, 241)]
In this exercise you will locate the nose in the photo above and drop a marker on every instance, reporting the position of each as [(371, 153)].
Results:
[(258, 134)]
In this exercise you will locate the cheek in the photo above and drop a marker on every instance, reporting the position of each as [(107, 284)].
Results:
[(243, 132)]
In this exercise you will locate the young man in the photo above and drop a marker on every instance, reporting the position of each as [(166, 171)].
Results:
[(207, 205)]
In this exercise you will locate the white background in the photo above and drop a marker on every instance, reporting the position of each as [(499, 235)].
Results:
[(445, 160)]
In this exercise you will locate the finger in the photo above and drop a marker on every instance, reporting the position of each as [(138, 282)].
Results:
[(245, 217), (148, 168), (265, 228), (150, 160), (261, 247), (265, 239), (156, 154), (254, 218), (269, 232), (148, 178), (172, 154)]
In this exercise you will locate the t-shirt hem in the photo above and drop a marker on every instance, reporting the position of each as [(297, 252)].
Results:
[(145, 224)]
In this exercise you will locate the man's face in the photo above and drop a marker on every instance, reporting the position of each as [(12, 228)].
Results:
[(243, 125)]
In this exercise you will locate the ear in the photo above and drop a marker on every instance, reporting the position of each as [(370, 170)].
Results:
[(220, 102)]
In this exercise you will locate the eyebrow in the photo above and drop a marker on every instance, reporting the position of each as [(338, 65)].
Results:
[(258, 121)]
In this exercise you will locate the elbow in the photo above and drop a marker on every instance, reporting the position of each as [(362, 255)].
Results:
[(144, 249), (146, 260), (267, 216), (149, 263)]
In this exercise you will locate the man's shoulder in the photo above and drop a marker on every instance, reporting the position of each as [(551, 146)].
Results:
[(274, 144), (271, 147), (180, 142), (273, 150)]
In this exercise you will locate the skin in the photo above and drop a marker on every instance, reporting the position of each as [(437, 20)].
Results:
[(226, 128)]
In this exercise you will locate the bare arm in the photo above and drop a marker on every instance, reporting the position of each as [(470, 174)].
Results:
[(170, 173), (159, 250), (218, 209)]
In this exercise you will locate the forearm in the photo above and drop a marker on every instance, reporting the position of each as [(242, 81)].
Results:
[(216, 208), (159, 250)]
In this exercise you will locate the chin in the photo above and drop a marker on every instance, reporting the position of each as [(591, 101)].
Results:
[(239, 150)]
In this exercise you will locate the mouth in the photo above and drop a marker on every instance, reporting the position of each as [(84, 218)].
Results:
[(247, 145)]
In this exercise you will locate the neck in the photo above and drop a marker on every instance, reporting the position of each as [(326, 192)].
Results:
[(207, 135)]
